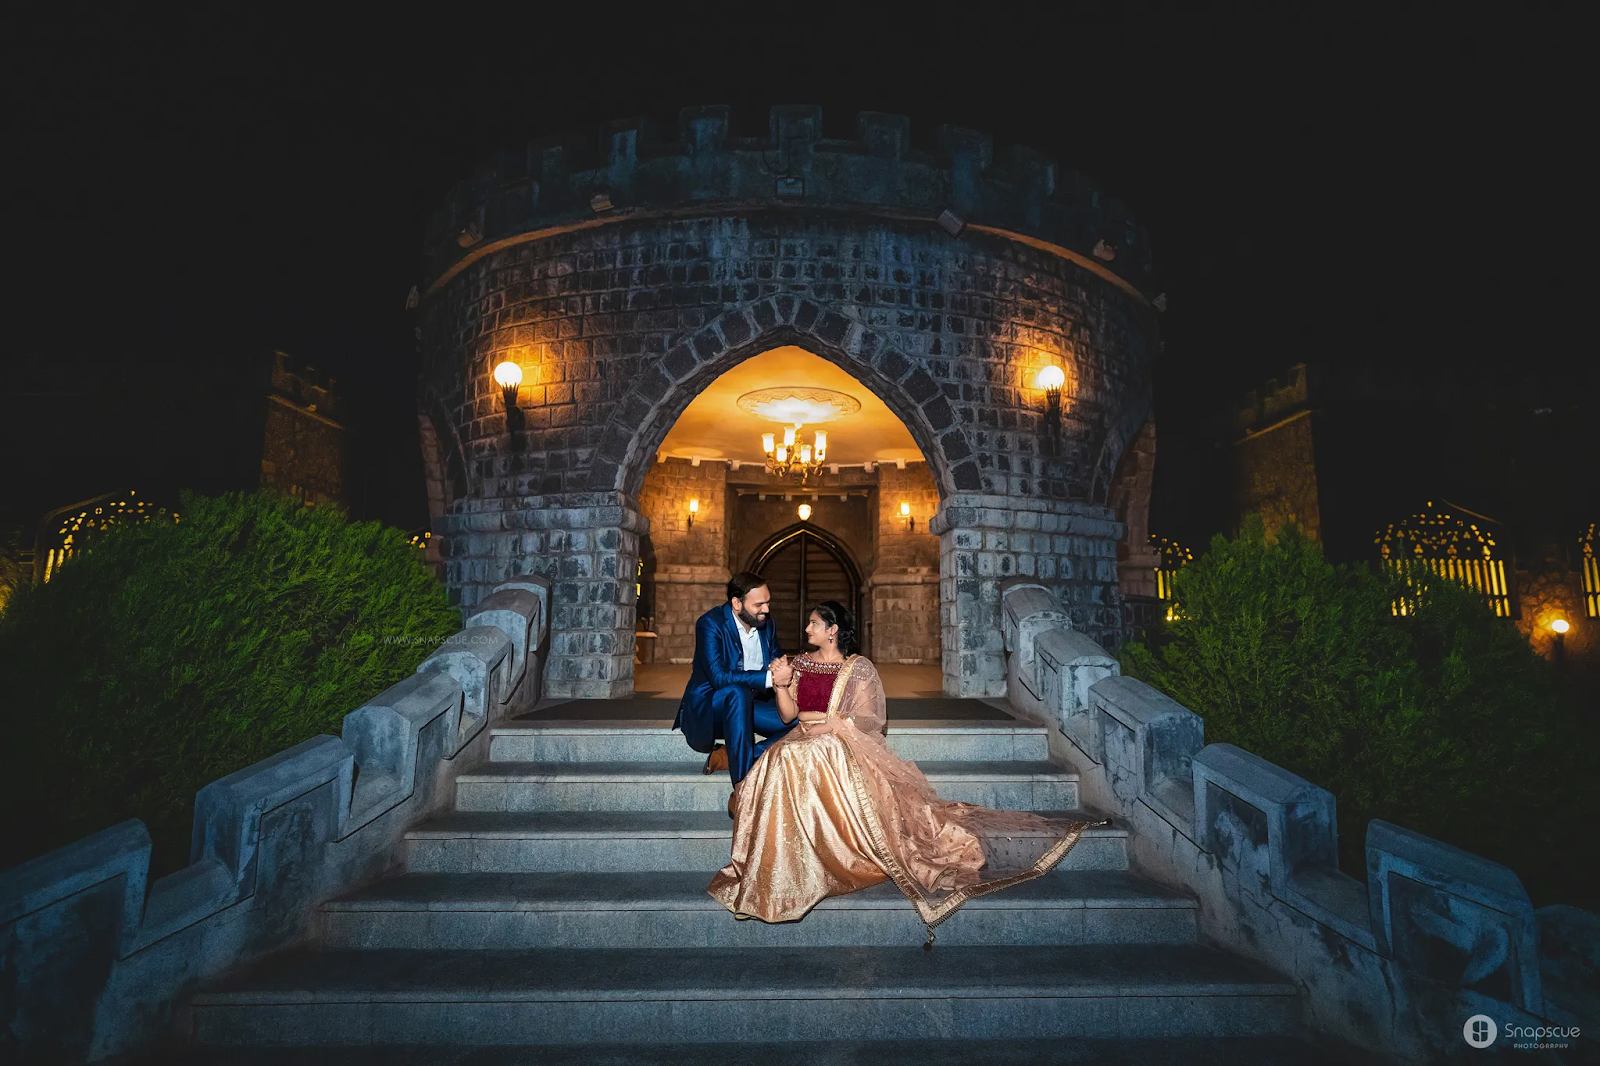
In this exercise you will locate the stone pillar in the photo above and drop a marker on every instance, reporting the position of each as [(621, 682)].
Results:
[(1069, 547), (587, 544)]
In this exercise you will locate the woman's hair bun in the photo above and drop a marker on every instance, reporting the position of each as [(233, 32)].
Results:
[(834, 613)]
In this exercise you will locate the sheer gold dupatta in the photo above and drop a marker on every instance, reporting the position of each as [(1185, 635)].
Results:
[(940, 853)]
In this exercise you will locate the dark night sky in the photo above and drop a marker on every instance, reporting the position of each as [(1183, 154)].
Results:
[(1385, 186)]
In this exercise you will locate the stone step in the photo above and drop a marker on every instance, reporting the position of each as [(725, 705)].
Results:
[(672, 910), (576, 742), (657, 996), (680, 786), (1269, 1050), (619, 841)]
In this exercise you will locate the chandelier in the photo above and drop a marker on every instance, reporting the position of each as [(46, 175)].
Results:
[(799, 461), (794, 407)]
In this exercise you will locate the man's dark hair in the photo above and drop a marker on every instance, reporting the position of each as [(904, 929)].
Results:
[(741, 583)]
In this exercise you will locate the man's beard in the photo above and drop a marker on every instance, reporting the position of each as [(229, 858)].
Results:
[(750, 620)]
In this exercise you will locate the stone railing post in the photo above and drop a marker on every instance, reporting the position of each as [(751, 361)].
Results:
[(1453, 916)]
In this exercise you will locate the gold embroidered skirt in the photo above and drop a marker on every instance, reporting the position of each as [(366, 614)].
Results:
[(829, 809)]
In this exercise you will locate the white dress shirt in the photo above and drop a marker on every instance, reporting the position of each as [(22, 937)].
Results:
[(754, 659)]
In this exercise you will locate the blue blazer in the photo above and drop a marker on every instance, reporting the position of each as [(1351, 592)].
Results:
[(719, 663)]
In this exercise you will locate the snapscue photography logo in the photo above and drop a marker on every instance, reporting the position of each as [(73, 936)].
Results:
[(1481, 1031)]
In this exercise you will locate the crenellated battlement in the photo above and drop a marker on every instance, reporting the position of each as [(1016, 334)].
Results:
[(1274, 399), (305, 385), (638, 168)]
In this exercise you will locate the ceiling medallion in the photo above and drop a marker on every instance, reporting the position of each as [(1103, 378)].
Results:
[(798, 405)]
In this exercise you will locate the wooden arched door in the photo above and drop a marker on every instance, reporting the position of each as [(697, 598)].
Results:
[(805, 565)]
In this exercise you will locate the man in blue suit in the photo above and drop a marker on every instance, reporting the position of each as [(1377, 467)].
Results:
[(730, 696)]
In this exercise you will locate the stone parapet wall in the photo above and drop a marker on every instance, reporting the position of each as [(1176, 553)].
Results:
[(97, 956), (1396, 961), (637, 167)]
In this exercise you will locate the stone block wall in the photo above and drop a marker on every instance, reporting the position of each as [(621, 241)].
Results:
[(904, 584), (587, 546), (1548, 587), (691, 559), (1068, 548)]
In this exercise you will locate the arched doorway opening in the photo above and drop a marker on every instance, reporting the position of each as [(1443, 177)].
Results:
[(805, 565), (715, 504)]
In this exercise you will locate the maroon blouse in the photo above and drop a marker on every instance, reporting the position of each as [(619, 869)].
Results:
[(816, 684)]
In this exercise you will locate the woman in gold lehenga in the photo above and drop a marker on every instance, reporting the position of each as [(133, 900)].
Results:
[(829, 809)]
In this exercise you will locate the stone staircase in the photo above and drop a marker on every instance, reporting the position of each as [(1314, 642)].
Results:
[(561, 902)]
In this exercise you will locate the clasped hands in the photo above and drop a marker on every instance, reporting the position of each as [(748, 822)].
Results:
[(782, 671)]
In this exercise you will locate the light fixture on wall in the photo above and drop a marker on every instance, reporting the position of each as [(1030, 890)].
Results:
[(1560, 627), (804, 511), (1051, 378), (792, 459), (508, 376), (905, 512), (694, 509)]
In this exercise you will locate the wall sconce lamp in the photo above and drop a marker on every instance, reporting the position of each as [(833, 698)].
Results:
[(508, 376), (1050, 379), (694, 509), (1560, 627), (804, 511), (905, 512)]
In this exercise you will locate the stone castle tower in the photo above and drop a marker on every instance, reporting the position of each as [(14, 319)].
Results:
[(303, 446), (625, 274), (1274, 454)]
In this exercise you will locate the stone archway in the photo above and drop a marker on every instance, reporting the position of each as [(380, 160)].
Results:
[(653, 403)]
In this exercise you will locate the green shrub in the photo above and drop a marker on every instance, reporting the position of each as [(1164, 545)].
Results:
[(1443, 721), (168, 654)]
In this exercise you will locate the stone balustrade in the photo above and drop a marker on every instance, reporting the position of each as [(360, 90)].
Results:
[(97, 957), (1396, 962)]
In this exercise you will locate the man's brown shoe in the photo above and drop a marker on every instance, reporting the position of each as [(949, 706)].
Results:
[(717, 760), (731, 797)]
